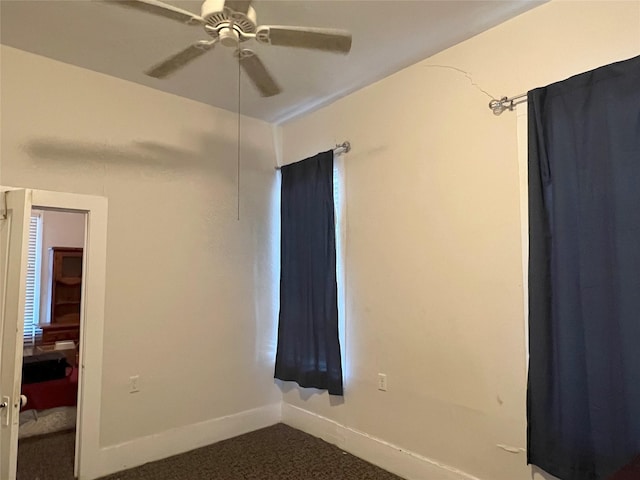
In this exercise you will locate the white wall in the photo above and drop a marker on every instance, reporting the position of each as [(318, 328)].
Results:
[(433, 267), (189, 298), (59, 229), (433, 252)]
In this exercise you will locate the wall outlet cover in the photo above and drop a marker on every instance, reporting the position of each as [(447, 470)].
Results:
[(382, 382), (134, 384)]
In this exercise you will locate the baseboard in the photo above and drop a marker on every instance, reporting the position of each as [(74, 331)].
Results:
[(183, 439), (408, 465)]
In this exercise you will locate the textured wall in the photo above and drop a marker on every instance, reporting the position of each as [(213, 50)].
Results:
[(189, 300), (433, 252)]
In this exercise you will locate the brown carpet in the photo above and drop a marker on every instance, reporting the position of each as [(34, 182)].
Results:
[(277, 452), (47, 457)]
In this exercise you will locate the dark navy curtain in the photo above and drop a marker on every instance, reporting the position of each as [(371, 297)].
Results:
[(308, 344), (584, 273)]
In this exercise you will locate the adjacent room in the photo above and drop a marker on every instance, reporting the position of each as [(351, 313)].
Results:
[(51, 333), (351, 239)]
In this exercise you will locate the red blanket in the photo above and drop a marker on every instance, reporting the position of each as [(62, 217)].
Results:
[(630, 472), (53, 393)]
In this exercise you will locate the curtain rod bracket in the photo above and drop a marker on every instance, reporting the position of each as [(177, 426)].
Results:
[(499, 106), (345, 146), (339, 149)]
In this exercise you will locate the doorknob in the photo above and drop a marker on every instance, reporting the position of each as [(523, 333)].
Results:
[(4, 405), (23, 400)]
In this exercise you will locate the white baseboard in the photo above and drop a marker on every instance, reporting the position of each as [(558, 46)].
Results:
[(408, 465), (183, 439)]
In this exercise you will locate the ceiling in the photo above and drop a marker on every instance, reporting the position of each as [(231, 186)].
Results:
[(388, 35)]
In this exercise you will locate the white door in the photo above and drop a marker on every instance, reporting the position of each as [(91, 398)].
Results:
[(13, 278)]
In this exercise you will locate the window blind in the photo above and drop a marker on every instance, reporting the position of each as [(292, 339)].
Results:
[(32, 305)]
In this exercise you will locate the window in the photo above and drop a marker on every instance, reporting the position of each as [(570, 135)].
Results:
[(339, 202), (308, 331), (32, 304)]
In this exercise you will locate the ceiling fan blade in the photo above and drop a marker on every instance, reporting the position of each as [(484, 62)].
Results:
[(161, 9), (328, 39), (240, 6), (258, 73), (180, 59)]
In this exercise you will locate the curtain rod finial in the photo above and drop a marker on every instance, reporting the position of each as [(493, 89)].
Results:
[(497, 106)]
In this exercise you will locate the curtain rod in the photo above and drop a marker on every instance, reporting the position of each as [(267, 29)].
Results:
[(343, 147), (499, 106)]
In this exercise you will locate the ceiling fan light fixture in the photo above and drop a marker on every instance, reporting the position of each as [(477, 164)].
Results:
[(229, 37)]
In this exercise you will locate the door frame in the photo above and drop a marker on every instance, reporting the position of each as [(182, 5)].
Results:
[(87, 447)]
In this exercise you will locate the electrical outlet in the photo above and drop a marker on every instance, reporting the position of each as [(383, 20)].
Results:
[(382, 382), (134, 384)]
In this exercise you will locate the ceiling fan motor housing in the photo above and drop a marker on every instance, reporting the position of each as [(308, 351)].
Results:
[(214, 12)]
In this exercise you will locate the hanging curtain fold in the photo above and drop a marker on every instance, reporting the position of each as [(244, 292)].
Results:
[(308, 349), (583, 399)]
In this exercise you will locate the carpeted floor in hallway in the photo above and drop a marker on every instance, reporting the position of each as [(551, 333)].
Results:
[(274, 453)]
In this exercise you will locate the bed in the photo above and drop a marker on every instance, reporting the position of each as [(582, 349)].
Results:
[(51, 405)]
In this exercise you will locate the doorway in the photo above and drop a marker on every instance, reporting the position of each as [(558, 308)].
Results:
[(51, 344), (83, 315)]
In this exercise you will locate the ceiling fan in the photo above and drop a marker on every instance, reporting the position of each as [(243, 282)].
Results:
[(231, 23)]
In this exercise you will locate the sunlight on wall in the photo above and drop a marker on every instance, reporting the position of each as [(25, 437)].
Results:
[(274, 235), (340, 218)]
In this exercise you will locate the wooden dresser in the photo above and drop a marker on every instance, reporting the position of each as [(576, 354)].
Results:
[(65, 287), (52, 333)]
